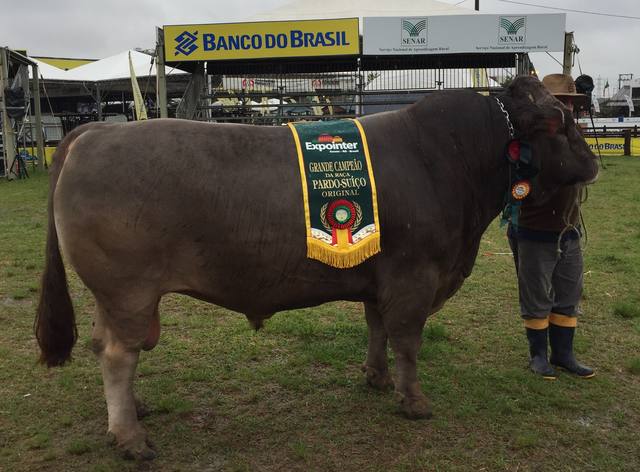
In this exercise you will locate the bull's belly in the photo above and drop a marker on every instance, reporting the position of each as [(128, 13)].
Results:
[(259, 285)]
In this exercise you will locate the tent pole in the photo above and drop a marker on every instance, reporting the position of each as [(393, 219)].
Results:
[(99, 101), (161, 80), (38, 116), (8, 135), (568, 53)]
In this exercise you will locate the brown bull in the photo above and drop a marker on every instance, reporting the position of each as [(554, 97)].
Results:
[(143, 209)]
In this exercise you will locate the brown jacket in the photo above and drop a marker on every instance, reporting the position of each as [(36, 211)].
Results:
[(562, 209)]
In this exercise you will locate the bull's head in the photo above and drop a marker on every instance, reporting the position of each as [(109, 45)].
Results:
[(559, 149)]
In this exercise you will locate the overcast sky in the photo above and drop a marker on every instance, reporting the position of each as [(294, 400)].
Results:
[(98, 29)]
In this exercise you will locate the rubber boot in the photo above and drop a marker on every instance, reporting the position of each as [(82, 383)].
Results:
[(538, 351), (561, 341)]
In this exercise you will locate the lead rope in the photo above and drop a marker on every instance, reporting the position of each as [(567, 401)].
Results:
[(595, 135), (581, 196)]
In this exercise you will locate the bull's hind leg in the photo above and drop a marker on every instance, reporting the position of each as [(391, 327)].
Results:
[(376, 366), (118, 337)]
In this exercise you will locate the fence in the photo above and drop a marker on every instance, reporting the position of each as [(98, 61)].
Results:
[(273, 99), (613, 140)]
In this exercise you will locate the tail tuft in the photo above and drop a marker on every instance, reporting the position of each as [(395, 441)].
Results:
[(55, 324)]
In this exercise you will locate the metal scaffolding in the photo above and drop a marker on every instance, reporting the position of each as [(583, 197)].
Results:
[(15, 130)]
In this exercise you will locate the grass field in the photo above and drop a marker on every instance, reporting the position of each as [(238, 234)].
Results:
[(292, 398)]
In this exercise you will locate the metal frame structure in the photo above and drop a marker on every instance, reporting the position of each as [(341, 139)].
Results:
[(102, 98), (277, 91), (9, 60)]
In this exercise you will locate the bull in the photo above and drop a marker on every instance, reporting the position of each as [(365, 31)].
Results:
[(215, 211)]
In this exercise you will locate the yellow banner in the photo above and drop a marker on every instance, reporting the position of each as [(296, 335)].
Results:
[(64, 64), (614, 146), (268, 39), (480, 79), (138, 102)]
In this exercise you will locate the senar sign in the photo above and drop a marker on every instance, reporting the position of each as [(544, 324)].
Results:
[(271, 39), (453, 34)]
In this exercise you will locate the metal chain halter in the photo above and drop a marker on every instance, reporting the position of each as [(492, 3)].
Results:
[(506, 115)]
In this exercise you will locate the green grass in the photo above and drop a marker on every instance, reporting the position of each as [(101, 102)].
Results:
[(634, 366), (627, 309), (79, 447), (292, 396)]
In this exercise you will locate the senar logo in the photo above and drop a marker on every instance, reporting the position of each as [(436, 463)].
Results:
[(512, 29), (186, 43), (414, 31)]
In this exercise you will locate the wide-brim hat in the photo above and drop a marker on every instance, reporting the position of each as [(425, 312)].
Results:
[(562, 85)]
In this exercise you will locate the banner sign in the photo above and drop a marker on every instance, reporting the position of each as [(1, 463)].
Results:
[(453, 34), (613, 146), (339, 192), (267, 39), (635, 147)]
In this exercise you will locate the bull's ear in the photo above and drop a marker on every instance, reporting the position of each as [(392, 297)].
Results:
[(536, 120), (526, 87), (553, 125), (555, 120)]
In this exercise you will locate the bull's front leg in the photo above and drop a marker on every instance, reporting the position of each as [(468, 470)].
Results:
[(413, 402), (404, 323), (376, 366)]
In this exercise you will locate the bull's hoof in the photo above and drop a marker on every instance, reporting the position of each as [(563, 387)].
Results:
[(136, 447), (142, 409), (144, 453), (416, 408), (378, 380)]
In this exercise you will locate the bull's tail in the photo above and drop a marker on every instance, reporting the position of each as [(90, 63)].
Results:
[(55, 323)]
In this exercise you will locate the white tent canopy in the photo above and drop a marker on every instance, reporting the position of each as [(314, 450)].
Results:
[(110, 68), (313, 9), (412, 80)]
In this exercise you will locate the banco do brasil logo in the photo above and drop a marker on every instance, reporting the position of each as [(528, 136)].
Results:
[(414, 32), (186, 43), (513, 30)]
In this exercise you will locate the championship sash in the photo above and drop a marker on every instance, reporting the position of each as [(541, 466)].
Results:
[(339, 192)]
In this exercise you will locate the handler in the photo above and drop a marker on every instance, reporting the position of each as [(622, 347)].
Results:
[(548, 258)]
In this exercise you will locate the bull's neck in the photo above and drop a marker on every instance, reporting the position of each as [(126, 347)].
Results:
[(502, 131), (479, 135)]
